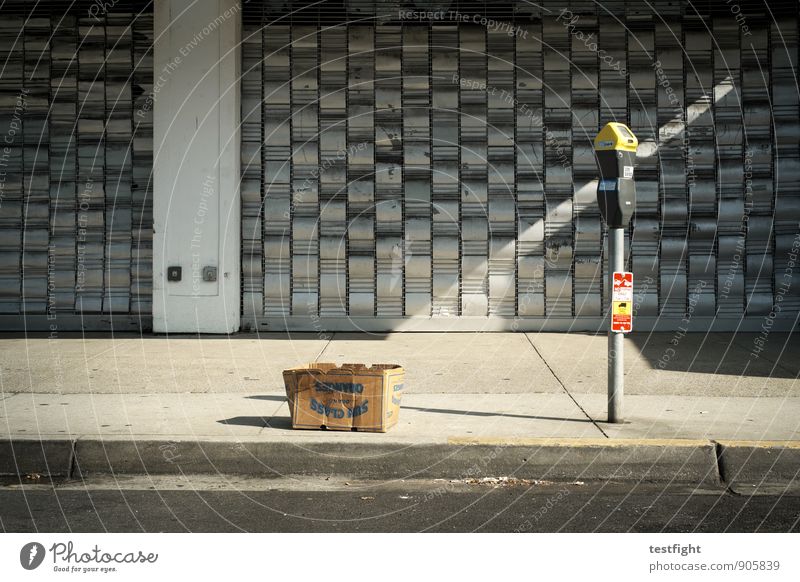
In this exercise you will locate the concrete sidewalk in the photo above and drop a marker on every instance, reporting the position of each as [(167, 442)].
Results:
[(461, 363), (698, 408)]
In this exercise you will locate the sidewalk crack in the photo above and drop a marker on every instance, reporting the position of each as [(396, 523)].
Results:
[(564, 387), (325, 347)]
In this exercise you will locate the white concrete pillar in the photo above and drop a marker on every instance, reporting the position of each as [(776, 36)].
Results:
[(196, 204)]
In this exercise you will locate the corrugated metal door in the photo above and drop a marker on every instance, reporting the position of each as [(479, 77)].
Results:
[(75, 166), (410, 172)]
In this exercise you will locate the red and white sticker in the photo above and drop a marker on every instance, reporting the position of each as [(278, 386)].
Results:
[(622, 302), (623, 286)]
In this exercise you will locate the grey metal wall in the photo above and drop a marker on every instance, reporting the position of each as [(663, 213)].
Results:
[(75, 166), (390, 182)]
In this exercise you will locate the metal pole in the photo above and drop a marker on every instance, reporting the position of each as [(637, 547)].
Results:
[(616, 380)]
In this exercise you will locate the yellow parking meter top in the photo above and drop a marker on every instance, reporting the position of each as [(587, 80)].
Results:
[(616, 136)]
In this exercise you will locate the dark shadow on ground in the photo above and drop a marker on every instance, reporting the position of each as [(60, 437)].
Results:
[(240, 419), (268, 397), (259, 421), (498, 414), (734, 354), (282, 422)]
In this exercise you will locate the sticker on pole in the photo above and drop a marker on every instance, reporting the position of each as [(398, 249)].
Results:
[(623, 286), (622, 302)]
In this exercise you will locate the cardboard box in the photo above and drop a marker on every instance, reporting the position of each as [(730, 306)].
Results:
[(347, 397)]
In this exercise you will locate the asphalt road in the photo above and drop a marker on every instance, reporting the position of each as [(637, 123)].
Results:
[(225, 504)]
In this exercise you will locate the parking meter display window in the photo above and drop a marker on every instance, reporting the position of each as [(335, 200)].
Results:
[(607, 185), (625, 132)]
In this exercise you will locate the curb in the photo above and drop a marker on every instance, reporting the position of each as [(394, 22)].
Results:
[(679, 461), (759, 462), (29, 456)]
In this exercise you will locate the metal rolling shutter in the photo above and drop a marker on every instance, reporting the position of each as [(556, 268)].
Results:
[(76, 211), (384, 187)]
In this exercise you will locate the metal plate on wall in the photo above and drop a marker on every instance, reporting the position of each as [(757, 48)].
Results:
[(448, 167), (76, 211)]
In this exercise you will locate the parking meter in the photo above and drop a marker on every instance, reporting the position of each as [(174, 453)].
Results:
[(615, 148)]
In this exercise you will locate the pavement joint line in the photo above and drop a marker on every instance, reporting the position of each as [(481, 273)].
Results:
[(268, 418), (325, 347), (564, 387), (719, 464), (73, 458)]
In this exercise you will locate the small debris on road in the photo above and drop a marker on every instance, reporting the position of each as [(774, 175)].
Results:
[(503, 481)]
